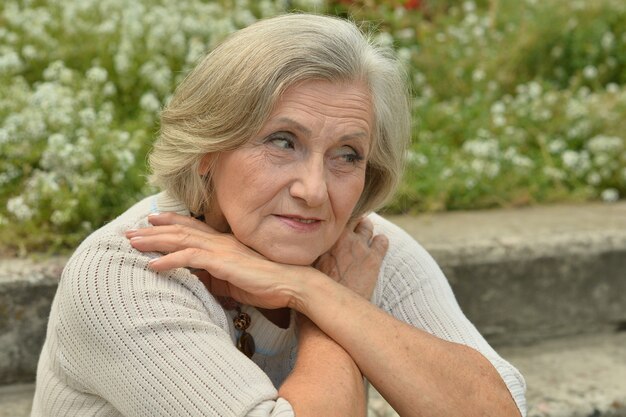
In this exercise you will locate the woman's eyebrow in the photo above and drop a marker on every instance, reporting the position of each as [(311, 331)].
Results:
[(292, 124)]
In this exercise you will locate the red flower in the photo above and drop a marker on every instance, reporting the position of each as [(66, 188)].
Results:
[(412, 4)]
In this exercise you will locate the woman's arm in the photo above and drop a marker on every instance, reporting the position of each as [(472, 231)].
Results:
[(419, 374), (449, 378), (325, 380)]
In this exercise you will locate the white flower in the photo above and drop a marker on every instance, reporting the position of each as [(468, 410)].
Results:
[(122, 62), (578, 162), (10, 62), (311, 4), (594, 178), (478, 75), (149, 102), (125, 159), (554, 173), (18, 207), (556, 146), (499, 120), (29, 52), (109, 89), (498, 107), (57, 71), (608, 39), (97, 75), (87, 116), (534, 89), (60, 217), (4, 136), (384, 39), (244, 17), (419, 78), (481, 148), (605, 144), (556, 52), (612, 88), (195, 50), (416, 158), (522, 161), (469, 6), (406, 33), (404, 54), (590, 72), (610, 195)]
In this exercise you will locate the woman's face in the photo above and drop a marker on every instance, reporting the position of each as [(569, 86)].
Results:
[(289, 191)]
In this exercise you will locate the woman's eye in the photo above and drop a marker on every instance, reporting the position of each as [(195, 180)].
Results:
[(349, 155), (281, 141)]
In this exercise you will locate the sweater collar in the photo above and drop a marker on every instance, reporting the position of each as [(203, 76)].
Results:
[(167, 203), (270, 339)]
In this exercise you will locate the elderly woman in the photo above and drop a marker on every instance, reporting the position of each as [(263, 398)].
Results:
[(256, 283)]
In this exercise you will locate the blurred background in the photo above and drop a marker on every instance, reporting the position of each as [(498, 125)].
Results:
[(515, 102), (515, 180)]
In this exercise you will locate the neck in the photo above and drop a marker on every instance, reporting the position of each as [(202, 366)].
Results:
[(279, 317), (217, 221)]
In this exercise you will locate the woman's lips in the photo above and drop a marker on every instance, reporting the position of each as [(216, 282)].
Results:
[(304, 224)]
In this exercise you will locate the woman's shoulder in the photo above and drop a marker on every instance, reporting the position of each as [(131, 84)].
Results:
[(407, 266), (401, 243), (107, 269), (134, 216)]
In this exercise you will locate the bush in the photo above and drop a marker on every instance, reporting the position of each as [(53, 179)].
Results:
[(515, 102)]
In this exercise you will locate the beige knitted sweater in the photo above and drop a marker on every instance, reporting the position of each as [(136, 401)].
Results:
[(123, 340)]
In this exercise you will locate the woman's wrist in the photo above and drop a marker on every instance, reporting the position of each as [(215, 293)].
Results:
[(308, 289)]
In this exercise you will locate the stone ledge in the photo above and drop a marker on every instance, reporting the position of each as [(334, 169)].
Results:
[(581, 376), (521, 276), (524, 275), (26, 291)]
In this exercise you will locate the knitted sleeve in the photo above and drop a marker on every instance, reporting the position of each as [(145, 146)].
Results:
[(413, 288), (152, 344)]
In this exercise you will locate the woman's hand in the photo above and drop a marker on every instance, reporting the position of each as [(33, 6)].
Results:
[(233, 269), (355, 260)]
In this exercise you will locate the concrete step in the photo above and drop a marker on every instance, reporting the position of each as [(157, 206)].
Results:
[(16, 400), (527, 274), (582, 376), (520, 275)]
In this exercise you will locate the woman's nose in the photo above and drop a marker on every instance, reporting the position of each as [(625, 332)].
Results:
[(309, 184)]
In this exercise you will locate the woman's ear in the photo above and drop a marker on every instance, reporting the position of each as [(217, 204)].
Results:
[(206, 164)]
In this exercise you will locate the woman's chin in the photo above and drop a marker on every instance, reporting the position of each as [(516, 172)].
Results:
[(292, 258)]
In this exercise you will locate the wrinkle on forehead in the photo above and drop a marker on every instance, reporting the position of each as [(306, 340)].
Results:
[(353, 101)]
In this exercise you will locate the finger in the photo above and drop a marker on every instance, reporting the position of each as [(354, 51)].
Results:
[(365, 228), (185, 258), (380, 244), (353, 223), (169, 218), (174, 229), (170, 242)]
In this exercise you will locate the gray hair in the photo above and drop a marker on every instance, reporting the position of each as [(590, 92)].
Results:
[(230, 94)]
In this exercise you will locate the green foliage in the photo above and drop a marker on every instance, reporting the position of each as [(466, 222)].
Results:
[(515, 102)]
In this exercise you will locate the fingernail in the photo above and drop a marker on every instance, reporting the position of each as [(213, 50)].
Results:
[(153, 214), (135, 238)]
